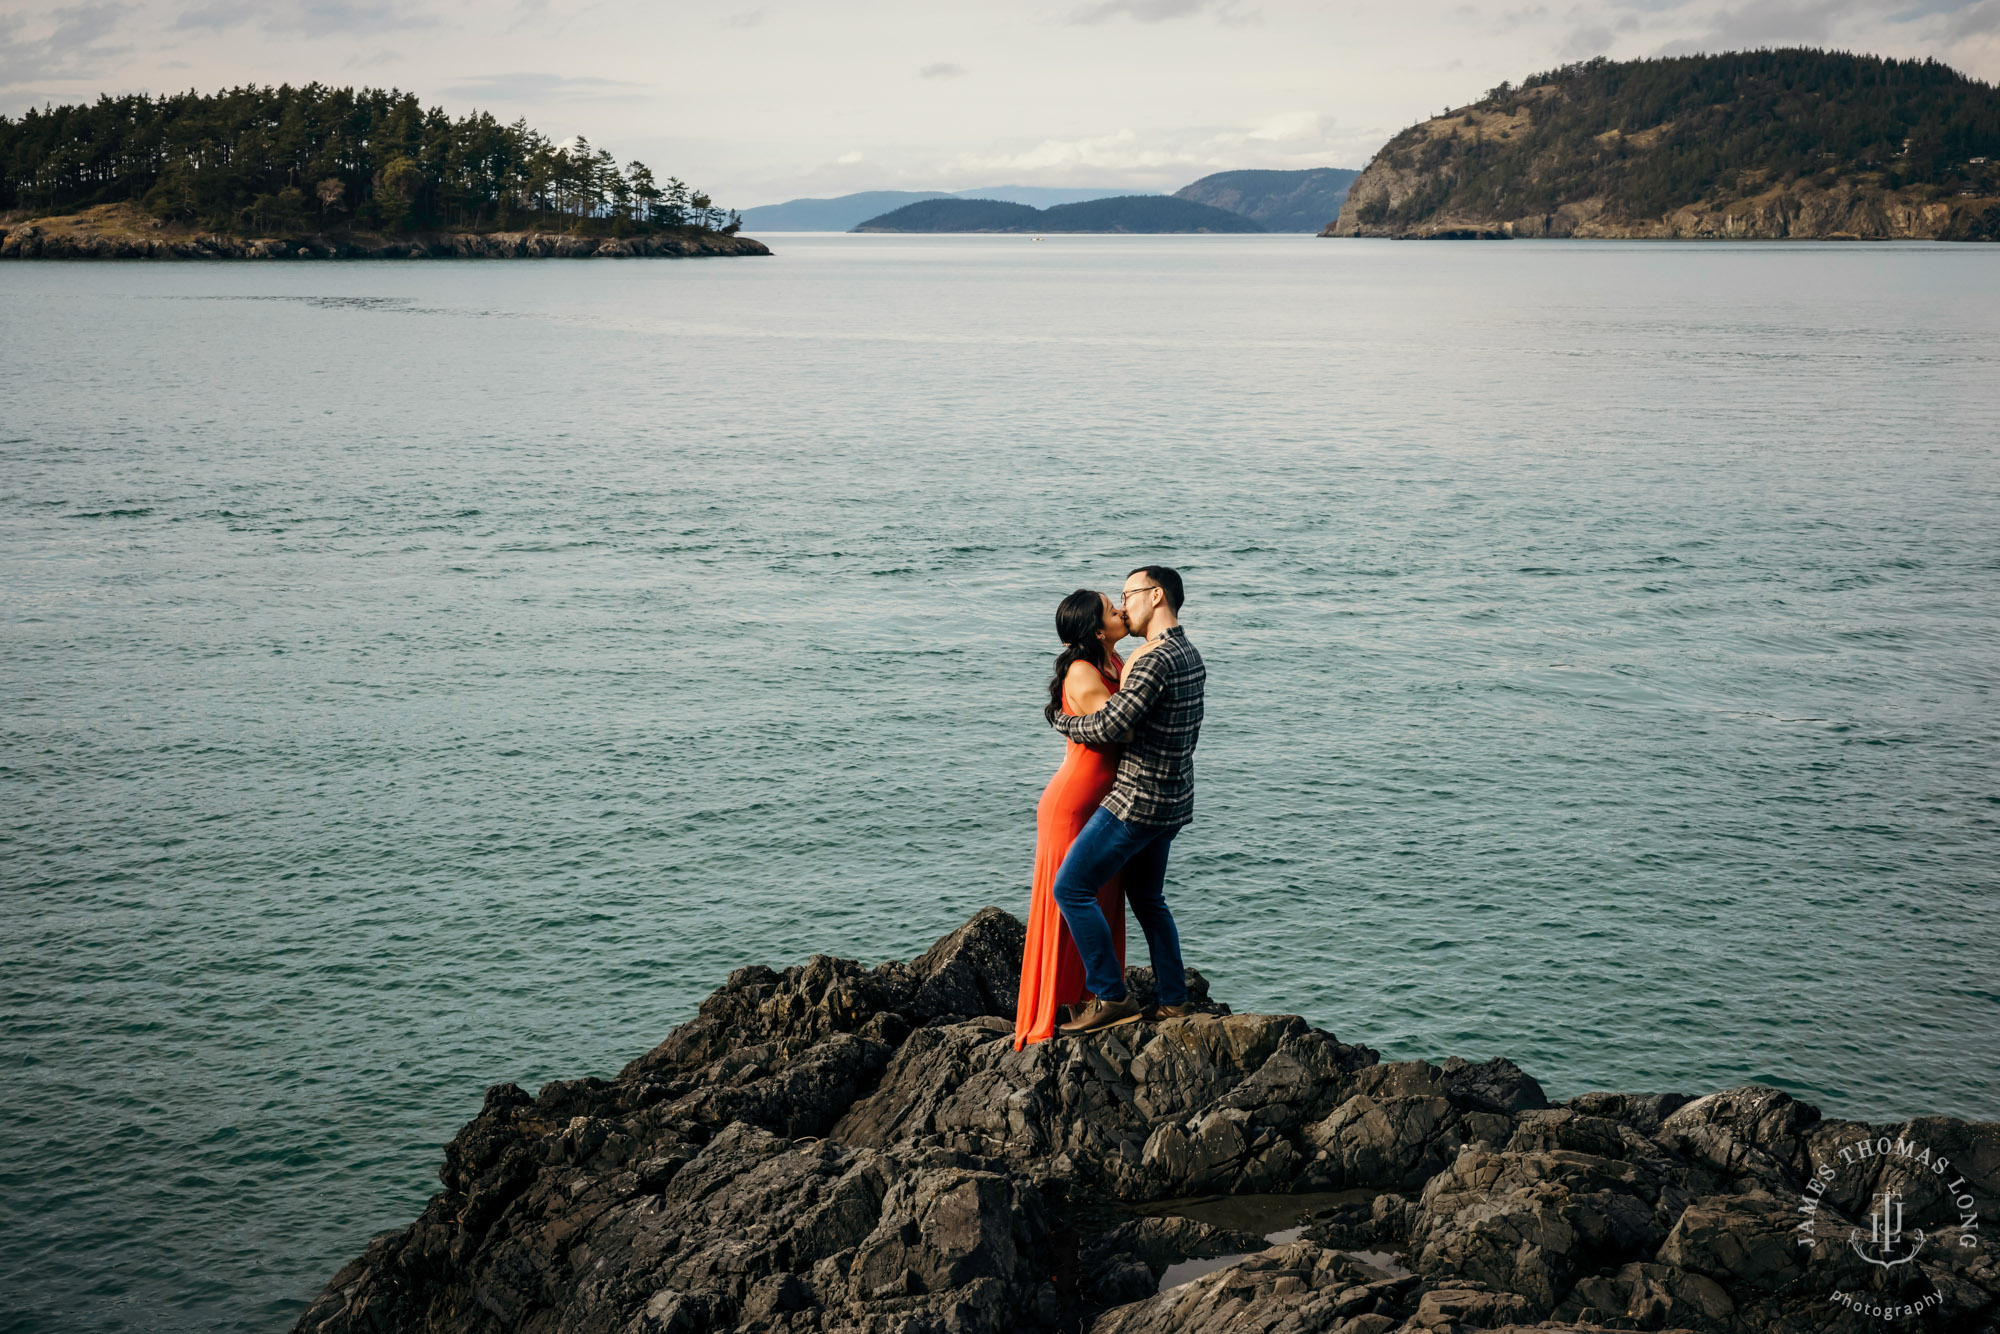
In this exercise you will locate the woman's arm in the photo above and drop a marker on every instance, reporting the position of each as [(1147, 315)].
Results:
[(1085, 687), (1122, 712)]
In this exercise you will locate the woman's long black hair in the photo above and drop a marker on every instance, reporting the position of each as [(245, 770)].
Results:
[(1079, 624)]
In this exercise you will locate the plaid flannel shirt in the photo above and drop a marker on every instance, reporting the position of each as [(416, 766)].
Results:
[(1157, 713)]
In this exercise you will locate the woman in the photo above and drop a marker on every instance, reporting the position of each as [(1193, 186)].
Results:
[(1087, 671)]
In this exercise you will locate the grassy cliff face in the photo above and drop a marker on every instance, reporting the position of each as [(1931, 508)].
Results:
[(1765, 144)]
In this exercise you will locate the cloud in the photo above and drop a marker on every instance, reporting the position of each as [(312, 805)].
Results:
[(1287, 139), (1119, 150), (1145, 11), (1160, 11), (1965, 33), (943, 69), (218, 17), (1925, 8), (749, 18), (1287, 127), (1514, 19), (1594, 39), (314, 18), (351, 16), (1974, 20), (1582, 43), (535, 86), (848, 159), (72, 44), (1763, 23)]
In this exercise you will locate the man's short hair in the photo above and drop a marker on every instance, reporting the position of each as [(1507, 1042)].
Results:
[(1168, 580)]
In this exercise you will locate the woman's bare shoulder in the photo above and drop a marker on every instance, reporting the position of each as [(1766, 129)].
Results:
[(1138, 653), (1142, 651)]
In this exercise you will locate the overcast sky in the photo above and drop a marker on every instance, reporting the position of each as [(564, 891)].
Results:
[(768, 99)]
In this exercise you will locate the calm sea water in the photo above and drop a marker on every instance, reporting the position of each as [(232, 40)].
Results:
[(417, 676)]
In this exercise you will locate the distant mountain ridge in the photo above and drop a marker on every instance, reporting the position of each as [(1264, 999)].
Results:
[(1281, 201), (1284, 201), (1773, 144), (1122, 213), (837, 214), (843, 213)]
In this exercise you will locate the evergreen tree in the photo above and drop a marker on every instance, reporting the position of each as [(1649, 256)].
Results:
[(289, 159)]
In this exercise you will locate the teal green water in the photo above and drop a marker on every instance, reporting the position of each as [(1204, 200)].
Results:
[(417, 676)]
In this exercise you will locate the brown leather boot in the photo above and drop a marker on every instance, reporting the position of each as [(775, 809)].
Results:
[(1155, 1013), (1101, 1013)]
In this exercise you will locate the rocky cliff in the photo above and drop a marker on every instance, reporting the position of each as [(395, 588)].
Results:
[(118, 231), (1772, 145), (839, 1148)]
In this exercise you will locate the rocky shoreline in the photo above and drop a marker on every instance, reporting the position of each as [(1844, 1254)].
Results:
[(839, 1148), (52, 239), (1795, 212)]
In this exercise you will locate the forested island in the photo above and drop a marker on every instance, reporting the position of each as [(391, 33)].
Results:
[(1120, 213), (323, 171), (1797, 143)]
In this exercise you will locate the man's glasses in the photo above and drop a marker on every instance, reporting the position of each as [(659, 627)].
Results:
[(1119, 601)]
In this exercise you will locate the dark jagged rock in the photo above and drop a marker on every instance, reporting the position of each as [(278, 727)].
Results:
[(1642, 1111), (973, 971), (1159, 1241), (1297, 1287), (1204, 1103), (1126, 1263), (837, 1148), (1497, 1085), (1533, 1223)]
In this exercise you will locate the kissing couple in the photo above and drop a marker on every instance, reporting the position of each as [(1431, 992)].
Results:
[(1108, 817)]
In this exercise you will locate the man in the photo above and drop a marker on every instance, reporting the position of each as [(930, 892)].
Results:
[(1157, 714)]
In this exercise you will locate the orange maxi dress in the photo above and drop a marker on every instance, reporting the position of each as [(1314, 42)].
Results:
[(1051, 969)]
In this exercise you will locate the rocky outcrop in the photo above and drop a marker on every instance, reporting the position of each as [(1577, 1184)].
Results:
[(830, 1147), (87, 237), (1794, 211), (1299, 1286), (1755, 145)]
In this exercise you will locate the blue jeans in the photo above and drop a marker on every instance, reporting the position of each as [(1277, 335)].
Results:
[(1106, 846)]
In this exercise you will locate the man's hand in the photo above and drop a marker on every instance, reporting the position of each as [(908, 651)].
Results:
[(1115, 722)]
